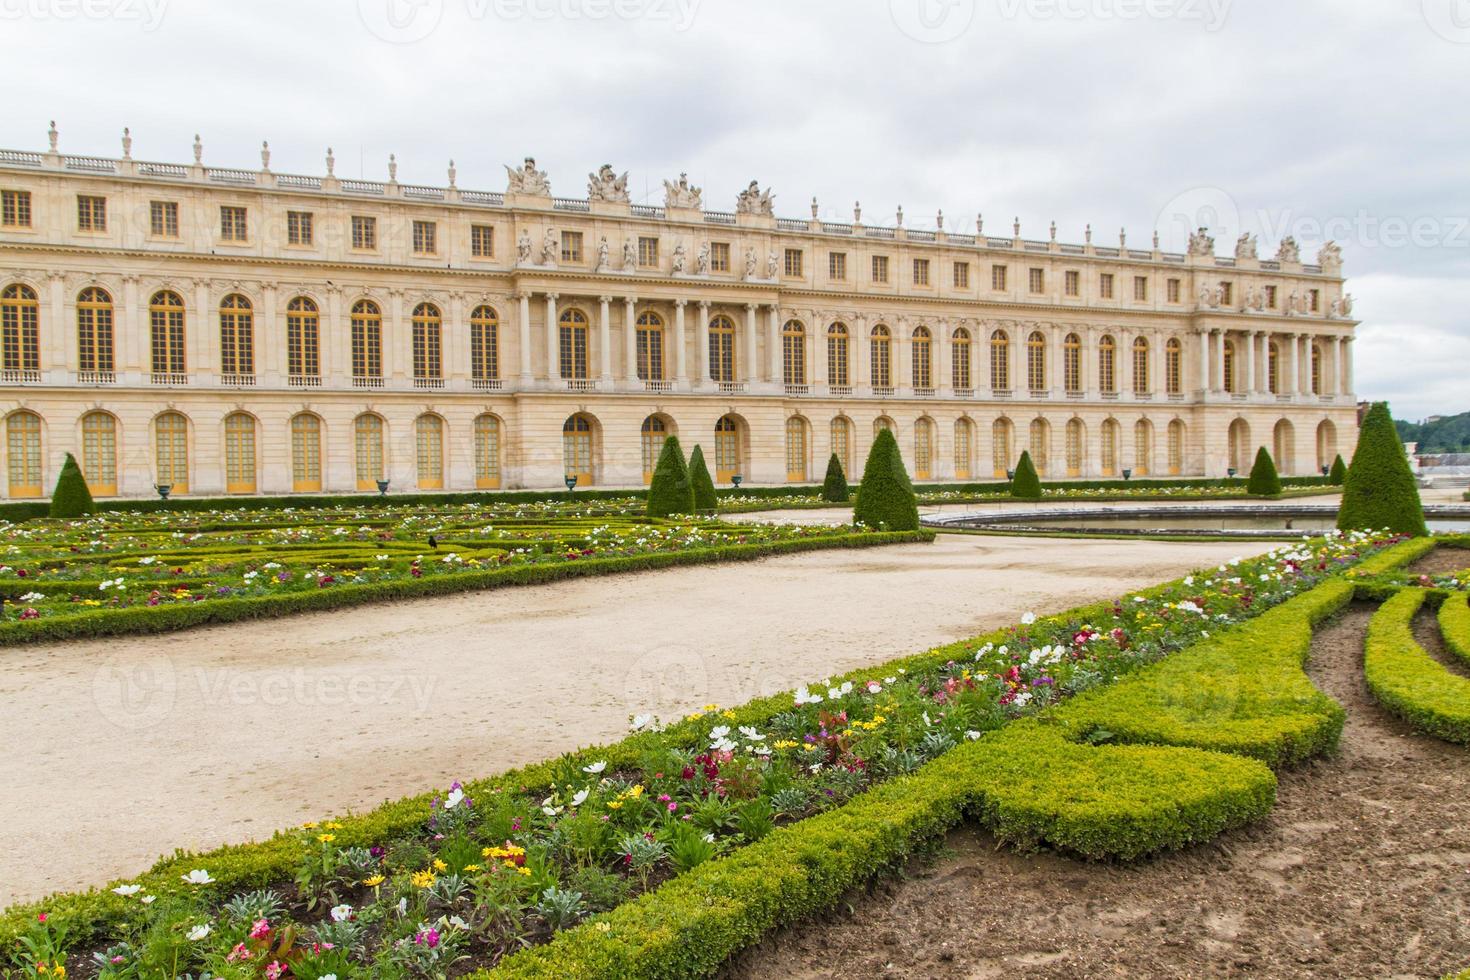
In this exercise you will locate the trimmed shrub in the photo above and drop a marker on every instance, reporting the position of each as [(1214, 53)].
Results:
[(670, 491), (834, 487), (71, 498), (1026, 485), (703, 487), (1337, 476), (886, 499), (1264, 480), (1454, 625), (1409, 682), (1380, 491)]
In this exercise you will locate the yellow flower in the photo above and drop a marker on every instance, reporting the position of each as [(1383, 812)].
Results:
[(472, 867), (711, 707), (422, 879), (603, 927), (374, 881), (524, 871), (333, 825), (785, 743), (615, 804), (326, 838), (728, 715), (310, 825), (809, 747), (440, 866), (636, 791)]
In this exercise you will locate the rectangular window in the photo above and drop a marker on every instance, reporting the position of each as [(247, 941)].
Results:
[(962, 275), (1105, 285), (837, 266), (15, 209), (1271, 297), (231, 223), (298, 228), (91, 213), (1140, 288), (880, 268), (921, 272), (719, 257), (1173, 289), (425, 238), (999, 278), (482, 241), (1037, 281), (163, 219), (647, 252), (1314, 300), (793, 263), (364, 232), (571, 246), (1227, 293), (1072, 282)]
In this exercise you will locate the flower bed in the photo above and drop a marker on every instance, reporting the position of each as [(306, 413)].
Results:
[(112, 574), (493, 866), (1406, 680)]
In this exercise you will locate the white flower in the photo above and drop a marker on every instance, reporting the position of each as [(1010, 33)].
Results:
[(32, 597), (1028, 618), (641, 721), (454, 920), (972, 735), (127, 891), (380, 557), (454, 799), (197, 877), (719, 731), (596, 767), (327, 976), (580, 797), (803, 696), (874, 687), (148, 899), (890, 680), (1189, 580), (341, 913), (198, 932), (750, 733)]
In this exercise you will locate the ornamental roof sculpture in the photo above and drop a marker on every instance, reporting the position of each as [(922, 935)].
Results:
[(528, 180), (683, 194), (607, 185), (753, 200)]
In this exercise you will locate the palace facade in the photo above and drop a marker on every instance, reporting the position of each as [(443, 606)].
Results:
[(222, 330)]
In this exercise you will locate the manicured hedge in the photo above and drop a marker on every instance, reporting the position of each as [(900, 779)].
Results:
[(705, 496), (670, 491), (1026, 485), (885, 499), (834, 485), (1406, 680), (1264, 480), (1380, 491), (1454, 625)]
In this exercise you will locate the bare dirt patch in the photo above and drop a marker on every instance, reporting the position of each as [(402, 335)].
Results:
[(1442, 561), (1362, 870)]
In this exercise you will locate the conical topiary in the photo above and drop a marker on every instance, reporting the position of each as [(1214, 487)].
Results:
[(71, 498), (670, 491), (1337, 476), (1264, 481), (701, 484), (834, 487), (885, 498), (1380, 492), (1026, 485)]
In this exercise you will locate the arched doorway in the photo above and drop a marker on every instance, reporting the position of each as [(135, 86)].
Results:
[(1284, 442), (1326, 444), (576, 449), (652, 435), (727, 449), (1239, 445)]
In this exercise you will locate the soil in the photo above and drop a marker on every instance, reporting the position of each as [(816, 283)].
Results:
[(1362, 870), (1441, 561)]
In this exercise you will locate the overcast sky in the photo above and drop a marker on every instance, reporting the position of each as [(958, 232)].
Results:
[(1310, 117)]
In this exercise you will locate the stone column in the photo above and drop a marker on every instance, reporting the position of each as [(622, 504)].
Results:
[(705, 379), (902, 374), (451, 336), (269, 363), (819, 347), (523, 327), (393, 336), (1219, 360), (202, 357), (1345, 365), (1249, 340), (943, 355), (630, 338), (776, 348), (1204, 361), (1125, 363), (750, 363), (1294, 385), (553, 347), (681, 363), (54, 355), (131, 337), (604, 341), (335, 336)]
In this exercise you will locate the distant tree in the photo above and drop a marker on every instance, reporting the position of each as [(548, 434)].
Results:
[(885, 498), (1337, 476), (705, 499), (834, 487), (1026, 485), (670, 491), (71, 498), (1380, 492), (1264, 480)]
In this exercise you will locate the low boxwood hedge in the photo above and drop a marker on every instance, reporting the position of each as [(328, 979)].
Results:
[(1454, 625), (1409, 682)]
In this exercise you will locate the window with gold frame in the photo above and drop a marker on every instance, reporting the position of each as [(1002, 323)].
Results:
[(1000, 447), (303, 342), (367, 445), (99, 453), (428, 433), (306, 453), (1176, 447), (239, 453), (1039, 435), (793, 353), (651, 439), (484, 344), (572, 344), (1143, 447), (964, 448), (232, 223), (796, 455), (923, 449), (1072, 364), (171, 451), (921, 347), (881, 358), (428, 360), (961, 369), (1000, 361), (367, 340), (20, 328), (1107, 365), (236, 336), (1174, 366), (15, 209), (91, 212), (1140, 366), (840, 432), (166, 327), (1036, 361), (23, 454), (722, 349), (649, 327), (487, 452), (838, 363), (425, 238)]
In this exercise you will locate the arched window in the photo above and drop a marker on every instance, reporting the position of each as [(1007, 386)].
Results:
[(923, 449), (484, 344), (796, 449), (236, 337), (882, 424), (1285, 445), (1000, 447), (1176, 447), (964, 449), (576, 449), (306, 453), (1140, 366), (99, 453), (171, 451), (727, 449), (1107, 365), (1316, 369), (650, 327), (20, 330), (23, 447), (1040, 439), (923, 358), (166, 330), (838, 374), (722, 349), (1036, 361), (572, 341), (1174, 367), (1072, 364), (1238, 445), (793, 353), (367, 348), (428, 440), (1229, 366), (1076, 447), (1000, 361), (960, 369), (1326, 444), (428, 360), (367, 435), (303, 342), (841, 433), (1109, 447), (1273, 368), (1143, 447), (653, 434), (239, 453), (487, 452), (881, 359), (95, 334)]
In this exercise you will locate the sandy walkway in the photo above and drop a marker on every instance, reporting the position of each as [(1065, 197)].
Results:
[(117, 751)]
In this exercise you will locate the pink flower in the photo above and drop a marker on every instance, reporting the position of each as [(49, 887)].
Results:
[(261, 930), (274, 970), (429, 938), (41, 917)]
